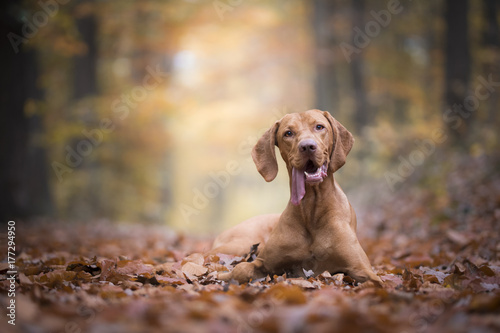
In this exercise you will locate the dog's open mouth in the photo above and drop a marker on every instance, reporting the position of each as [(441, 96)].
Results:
[(311, 175), (314, 174)]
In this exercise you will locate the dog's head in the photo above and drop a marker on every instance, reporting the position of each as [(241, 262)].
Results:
[(312, 143)]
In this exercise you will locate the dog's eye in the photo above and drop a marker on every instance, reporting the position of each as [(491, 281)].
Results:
[(319, 127), (288, 134)]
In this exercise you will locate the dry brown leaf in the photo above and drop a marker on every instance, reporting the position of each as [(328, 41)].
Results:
[(485, 302), (168, 280), (4, 267), (301, 283), (133, 267), (24, 280), (391, 280), (165, 267), (191, 268), (108, 291), (287, 294), (457, 237), (217, 267), (56, 278), (107, 268), (196, 258)]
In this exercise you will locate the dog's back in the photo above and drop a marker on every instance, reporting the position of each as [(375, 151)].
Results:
[(239, 239)]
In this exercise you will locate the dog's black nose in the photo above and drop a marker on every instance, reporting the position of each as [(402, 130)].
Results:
[(308, 146)]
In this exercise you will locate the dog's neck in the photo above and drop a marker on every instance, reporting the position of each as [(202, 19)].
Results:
[(318, 199)]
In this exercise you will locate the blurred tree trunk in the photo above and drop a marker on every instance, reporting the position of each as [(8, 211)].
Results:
[(491, 66), (85, 69), (457, 70), (88, 203), (326, 84), (361, 114), (23, 171)]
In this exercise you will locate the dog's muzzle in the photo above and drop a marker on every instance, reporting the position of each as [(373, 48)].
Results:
[(311, 175)]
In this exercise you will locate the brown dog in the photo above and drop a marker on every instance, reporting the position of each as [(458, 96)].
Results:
[(317, 230)]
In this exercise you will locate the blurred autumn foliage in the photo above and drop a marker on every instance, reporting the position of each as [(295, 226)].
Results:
[(146, 111)]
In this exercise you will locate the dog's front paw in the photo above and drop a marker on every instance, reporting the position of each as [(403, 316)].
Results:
[(367, 276), (243, 272)]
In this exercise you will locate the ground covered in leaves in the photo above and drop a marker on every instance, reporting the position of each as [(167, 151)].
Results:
[(438, 256)]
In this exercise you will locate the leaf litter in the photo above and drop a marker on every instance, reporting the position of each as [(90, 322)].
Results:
[(99, 277)]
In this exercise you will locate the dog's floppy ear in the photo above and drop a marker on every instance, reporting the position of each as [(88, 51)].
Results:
[(342, 142), (264, 156)]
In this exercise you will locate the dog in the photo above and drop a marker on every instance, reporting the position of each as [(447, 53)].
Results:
[(317, 230)]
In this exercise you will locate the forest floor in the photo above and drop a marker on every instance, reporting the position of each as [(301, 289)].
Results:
[(437, 253)]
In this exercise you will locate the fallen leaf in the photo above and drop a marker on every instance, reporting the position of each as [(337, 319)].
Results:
[(440, 276), (457, 237), (288, 294), (301, 283), (196, 258), (191, 268), (24, 280), (133, 267), (168, 280), (4, 267)]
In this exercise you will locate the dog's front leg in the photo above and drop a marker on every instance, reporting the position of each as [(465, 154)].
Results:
[(244, 272)]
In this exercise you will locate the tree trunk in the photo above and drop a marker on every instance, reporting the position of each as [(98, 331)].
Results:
[(85, 65), (24, 188), (326, 84), (361, 114), (491, 41), (457, 71), (88, 202)]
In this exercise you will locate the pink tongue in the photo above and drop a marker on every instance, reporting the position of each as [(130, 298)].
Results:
[(298, 186)]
